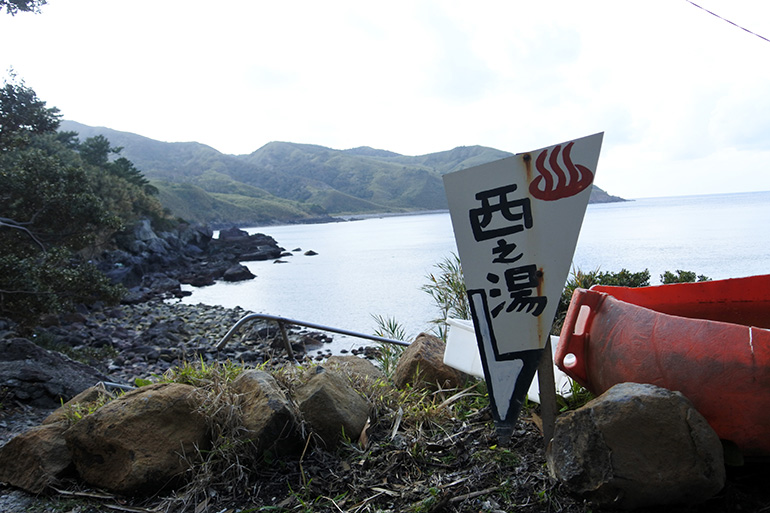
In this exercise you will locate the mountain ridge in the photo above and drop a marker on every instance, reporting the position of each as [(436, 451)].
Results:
[(286, 182)]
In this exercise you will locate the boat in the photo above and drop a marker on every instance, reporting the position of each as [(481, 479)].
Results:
[(708, 340)]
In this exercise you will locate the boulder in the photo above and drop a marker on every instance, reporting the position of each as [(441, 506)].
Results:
[(266, 414), (197, 235), (635, 446), (238, 272), (353, 366), (141, 442), (88, 400), (422, 364), (261, 253), (233, 233), (143, 231), (36, 459), (42, 378), (332, 407)]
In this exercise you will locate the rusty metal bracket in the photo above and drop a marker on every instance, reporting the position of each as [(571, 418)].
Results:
[(283, 321)]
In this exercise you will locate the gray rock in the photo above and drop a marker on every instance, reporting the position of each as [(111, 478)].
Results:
[(41, 378), (332, 407), (637, 446), (238, 272), (143, 231), (261, 253), (232, 234)]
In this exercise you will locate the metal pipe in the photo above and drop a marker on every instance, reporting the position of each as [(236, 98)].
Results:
[(282, 320), (286, 342)]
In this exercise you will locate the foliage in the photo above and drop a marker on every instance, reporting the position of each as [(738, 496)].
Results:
[(682, 277), (203, 375), (284, 182), (77, 411), (22, 113), (14, 6), (585, 280), (50, 282), (447, 288), (388, 354), (60, 201), (579, 396), (195, 204)]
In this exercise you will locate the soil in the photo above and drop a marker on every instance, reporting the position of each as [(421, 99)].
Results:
[(454, 466)]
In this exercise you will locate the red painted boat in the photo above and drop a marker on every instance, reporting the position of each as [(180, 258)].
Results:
[(708, 340)]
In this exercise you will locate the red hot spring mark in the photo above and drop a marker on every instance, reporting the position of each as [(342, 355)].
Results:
[(559, 180)]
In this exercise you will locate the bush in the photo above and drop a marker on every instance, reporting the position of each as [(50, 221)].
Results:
[(50, 282)]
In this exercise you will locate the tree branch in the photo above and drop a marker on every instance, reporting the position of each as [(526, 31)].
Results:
[(15, 225)]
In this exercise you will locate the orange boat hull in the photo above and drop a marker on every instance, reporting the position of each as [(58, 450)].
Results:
[(710, 341)]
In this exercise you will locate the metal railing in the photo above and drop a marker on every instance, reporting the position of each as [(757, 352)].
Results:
[(283, 321)]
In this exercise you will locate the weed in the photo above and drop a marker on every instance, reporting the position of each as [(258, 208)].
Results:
[(202, 374), (447, 288), (579, 397), (77, 411), (388, 354), (501, 455), (427, 504)]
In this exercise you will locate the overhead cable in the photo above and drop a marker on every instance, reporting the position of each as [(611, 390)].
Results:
[(728, 21)]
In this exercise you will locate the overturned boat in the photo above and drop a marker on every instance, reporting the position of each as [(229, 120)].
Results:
[(708, 340)]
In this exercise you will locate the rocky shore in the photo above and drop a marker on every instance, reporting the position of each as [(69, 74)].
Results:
[(150, 331)]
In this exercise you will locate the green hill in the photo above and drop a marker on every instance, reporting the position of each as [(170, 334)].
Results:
[(292, 182)]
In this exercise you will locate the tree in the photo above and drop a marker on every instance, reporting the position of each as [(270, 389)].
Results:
[(23, 114), (681, 276), (14, 6), (96, 150), (61, 201)]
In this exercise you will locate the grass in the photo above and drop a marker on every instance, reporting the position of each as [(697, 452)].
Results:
[(388, 354)]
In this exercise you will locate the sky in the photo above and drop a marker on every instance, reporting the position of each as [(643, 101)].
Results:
[(683, 97)]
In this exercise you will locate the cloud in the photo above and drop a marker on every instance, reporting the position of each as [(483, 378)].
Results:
[(678, 92)]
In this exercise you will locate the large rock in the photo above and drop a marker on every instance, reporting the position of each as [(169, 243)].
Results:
[(41, 378), (261, 253), (637, 446), (233, 233), (143, 231), (354, 367), (422, 364), (266, 414), (142, 441), (332, 407), (88, 400), (35, 459), (238, 272)]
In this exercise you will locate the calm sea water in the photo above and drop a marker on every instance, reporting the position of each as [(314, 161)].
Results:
[(378, 265)]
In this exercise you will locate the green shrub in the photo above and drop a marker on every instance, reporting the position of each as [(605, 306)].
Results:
[(682, 277)]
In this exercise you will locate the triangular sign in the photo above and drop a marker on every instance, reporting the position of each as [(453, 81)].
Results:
[(516, 223)]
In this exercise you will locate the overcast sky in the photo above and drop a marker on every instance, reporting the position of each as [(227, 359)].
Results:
[(682, 96)]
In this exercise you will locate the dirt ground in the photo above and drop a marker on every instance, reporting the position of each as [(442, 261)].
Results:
[(404, 463)]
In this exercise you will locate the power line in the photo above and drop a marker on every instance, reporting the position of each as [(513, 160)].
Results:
[(728, 21)]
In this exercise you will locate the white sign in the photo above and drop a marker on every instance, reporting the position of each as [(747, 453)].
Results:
[(516, 223)]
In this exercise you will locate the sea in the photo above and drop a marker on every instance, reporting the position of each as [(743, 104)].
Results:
[(377, 265)]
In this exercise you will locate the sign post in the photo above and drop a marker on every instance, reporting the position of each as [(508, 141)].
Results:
[(516, 223)]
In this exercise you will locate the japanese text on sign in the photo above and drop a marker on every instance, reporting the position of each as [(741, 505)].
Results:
[(503, 214)]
